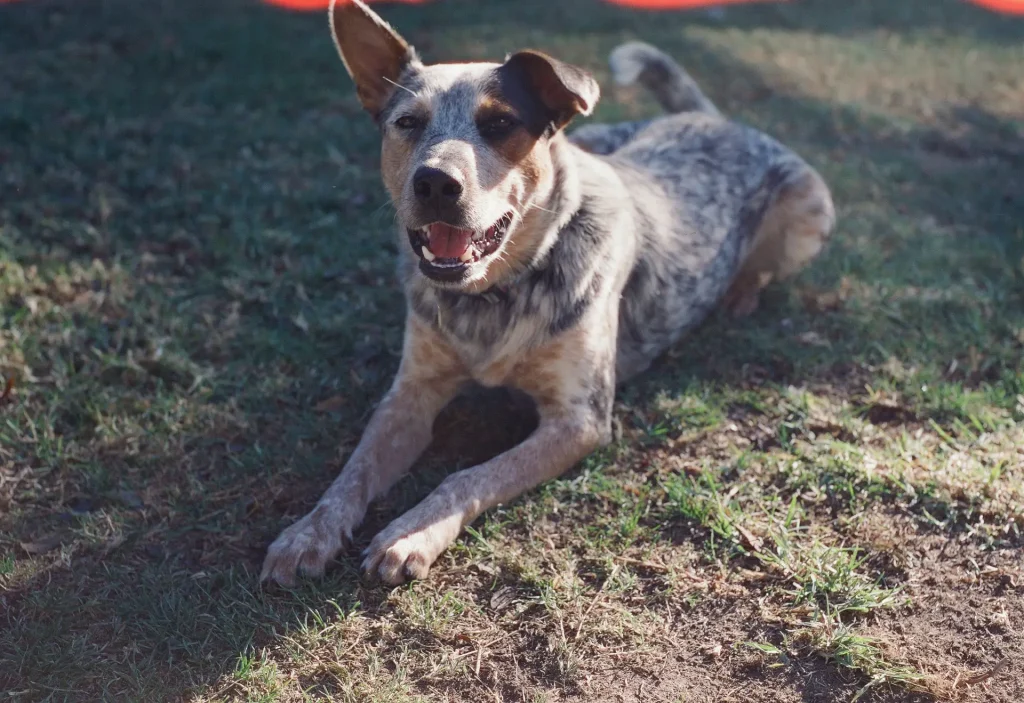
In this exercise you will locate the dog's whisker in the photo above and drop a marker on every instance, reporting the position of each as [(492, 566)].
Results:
[(397, 85), (534, 206), (386, 204)]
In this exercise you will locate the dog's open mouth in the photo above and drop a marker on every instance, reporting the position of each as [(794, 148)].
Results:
[(446, 252)]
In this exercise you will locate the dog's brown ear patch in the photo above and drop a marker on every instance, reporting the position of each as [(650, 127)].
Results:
[(373, 53), (564, 89)]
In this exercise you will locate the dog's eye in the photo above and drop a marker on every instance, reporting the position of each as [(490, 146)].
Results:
[(407, 122), (496, 125)]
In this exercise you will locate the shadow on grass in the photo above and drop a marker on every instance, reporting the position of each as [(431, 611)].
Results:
[(242, 307)]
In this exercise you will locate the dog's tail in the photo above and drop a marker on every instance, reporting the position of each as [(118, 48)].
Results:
[(673, 88)]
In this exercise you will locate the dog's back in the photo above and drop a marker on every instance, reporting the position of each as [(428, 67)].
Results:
[(720, 209)]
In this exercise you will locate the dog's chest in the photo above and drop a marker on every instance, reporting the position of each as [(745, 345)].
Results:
[(492, 334), (500, 365), (493, 347)]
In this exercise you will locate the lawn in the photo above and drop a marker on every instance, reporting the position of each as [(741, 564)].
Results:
[(821, 502)]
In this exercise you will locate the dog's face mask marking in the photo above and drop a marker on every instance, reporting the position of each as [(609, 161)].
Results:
[(466, 151)]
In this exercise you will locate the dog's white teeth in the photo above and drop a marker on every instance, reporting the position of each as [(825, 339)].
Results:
[(427, 254), (467, 256)]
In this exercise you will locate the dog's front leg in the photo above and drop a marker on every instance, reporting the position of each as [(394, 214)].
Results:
[(575, 418), (399, 431)]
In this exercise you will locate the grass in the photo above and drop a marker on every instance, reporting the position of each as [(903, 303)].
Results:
[(197, 311)]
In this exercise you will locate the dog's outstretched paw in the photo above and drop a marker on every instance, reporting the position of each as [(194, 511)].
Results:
[(305, 547), (394, 557)]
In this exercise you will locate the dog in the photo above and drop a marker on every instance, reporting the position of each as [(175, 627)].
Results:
[(558, 265)]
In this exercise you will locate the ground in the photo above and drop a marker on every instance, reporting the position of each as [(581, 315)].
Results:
[(198, 310)]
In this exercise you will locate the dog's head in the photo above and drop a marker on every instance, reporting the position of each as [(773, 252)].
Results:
[(466, 153)]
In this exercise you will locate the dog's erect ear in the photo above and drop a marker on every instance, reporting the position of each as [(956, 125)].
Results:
[(373, 53), (565, 90)]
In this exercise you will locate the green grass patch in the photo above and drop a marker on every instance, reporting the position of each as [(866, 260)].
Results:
[(198, 309)]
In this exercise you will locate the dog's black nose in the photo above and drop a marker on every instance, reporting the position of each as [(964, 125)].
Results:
[(432, 185)]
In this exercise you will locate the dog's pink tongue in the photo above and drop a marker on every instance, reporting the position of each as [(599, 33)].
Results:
[(447, 242)]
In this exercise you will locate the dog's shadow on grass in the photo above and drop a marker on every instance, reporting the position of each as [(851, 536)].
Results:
[(176, 591)]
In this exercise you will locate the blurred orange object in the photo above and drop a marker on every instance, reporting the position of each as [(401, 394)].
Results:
[(299, 4), (1011, 7), (645, 4)]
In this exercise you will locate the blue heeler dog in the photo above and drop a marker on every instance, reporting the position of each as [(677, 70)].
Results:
[(556, 265)]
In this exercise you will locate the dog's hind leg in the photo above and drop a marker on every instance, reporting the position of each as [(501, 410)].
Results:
[(792, 231)]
